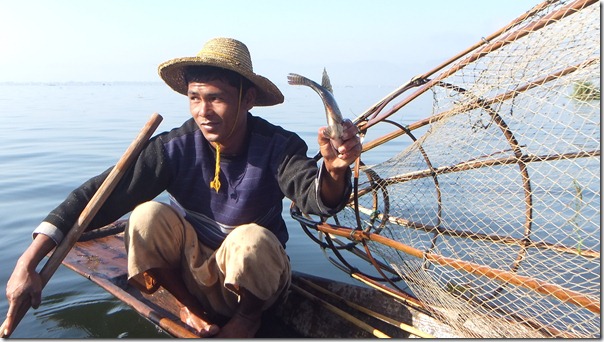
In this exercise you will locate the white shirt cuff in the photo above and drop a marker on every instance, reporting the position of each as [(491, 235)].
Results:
[(49, 230)]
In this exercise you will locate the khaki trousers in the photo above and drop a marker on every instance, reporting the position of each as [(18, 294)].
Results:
[(250, 257)]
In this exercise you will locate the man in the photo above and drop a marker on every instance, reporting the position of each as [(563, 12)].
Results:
[(219, 246)]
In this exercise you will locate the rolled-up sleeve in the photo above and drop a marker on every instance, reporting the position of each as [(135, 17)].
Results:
[(50, 230)]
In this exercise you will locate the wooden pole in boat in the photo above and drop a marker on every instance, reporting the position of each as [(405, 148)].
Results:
[(341, 313), (566, 295), (90, 211), (405, 327)]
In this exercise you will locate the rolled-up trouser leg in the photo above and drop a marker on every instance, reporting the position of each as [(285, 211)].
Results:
[(156, 237), (253, 258), (250, 257)]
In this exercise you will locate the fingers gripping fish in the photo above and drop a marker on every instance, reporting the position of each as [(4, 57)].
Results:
[(332, 112)]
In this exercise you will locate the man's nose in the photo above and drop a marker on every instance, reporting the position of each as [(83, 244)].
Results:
[(202, 108)]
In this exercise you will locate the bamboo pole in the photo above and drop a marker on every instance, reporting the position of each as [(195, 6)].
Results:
[(380, 104), (405, 298), (541, 287), (549, 331), (470, 165), (485, 50), (489, 38), (341, 313), (405, 327), (588, 253), (473, 105), (473, 164), (91, 209), (505, 96), (477, 164)]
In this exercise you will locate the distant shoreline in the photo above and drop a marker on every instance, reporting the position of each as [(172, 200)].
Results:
[(84, 83)]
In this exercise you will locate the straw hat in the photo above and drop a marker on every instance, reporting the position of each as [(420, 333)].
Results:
[(225, 53)]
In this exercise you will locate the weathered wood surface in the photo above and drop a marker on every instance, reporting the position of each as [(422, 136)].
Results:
[(103, 261)]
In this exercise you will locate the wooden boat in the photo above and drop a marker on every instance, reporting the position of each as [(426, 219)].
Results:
[(100, 256)]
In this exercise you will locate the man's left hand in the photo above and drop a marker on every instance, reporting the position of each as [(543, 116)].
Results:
[(338, 155)]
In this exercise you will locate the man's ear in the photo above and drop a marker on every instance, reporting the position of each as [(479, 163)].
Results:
[(250, 98)]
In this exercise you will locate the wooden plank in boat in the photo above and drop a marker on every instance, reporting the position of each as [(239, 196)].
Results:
[(103, 261)]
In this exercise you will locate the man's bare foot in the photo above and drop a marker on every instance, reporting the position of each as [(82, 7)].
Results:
[(241, 326), (202, 327)]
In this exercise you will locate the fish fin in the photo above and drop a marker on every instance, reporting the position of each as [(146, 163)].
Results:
[(296, 79), (325, 82), (328, 132)]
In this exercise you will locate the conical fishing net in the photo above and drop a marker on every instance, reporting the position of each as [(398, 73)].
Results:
[(489, 211)]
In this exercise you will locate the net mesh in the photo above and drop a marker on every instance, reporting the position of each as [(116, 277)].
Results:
[(495, 194)]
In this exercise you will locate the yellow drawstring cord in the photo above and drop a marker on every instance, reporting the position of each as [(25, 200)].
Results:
[(215, 183)]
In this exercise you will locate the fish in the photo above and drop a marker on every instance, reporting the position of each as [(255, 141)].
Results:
[(332, 112)]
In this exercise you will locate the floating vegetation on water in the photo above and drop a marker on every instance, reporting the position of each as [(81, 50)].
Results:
[(585, 91), (492, 213), (455, 289)]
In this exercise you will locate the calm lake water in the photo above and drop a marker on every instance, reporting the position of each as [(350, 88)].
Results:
[(56, 136)]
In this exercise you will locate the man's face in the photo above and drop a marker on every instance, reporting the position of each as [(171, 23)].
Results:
[(214, 106)]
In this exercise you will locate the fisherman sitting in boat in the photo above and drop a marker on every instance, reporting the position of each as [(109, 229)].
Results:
[(219, 246)]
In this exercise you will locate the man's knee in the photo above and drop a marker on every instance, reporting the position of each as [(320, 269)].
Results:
[(147, 213), (252, 236), (151, 216), (252, 257), (152, 225)]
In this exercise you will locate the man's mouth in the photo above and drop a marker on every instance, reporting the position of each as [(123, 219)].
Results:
[(209, 124)]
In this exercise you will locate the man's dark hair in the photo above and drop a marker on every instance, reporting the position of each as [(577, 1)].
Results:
[(210, 73)]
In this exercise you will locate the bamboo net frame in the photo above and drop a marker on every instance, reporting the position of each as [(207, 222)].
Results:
[(490, 212)]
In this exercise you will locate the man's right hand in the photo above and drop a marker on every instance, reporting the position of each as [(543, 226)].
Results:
[(24, 288)]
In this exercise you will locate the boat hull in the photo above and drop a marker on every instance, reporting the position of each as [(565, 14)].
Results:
[(101, 258)]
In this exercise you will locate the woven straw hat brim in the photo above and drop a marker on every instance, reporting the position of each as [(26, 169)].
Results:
[(172, 72)]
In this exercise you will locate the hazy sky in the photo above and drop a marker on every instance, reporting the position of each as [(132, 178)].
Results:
[(369, 41)]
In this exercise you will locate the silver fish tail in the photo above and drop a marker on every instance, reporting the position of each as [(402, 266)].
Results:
[(332, 112)]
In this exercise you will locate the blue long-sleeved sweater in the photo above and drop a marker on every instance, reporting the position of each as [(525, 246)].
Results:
[(182, 162)]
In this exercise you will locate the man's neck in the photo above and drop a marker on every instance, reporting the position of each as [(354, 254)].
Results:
[(236, 144)]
